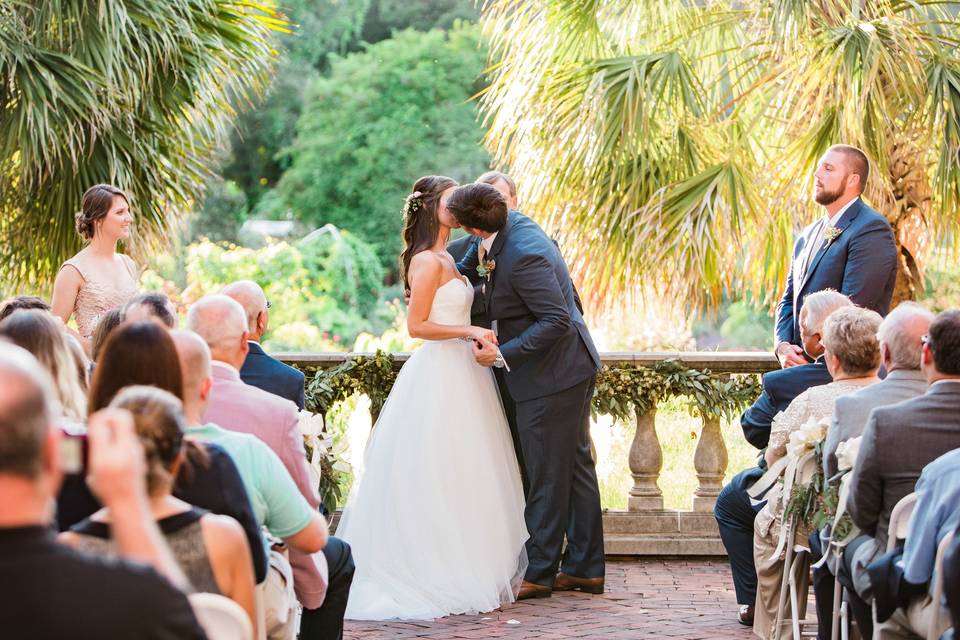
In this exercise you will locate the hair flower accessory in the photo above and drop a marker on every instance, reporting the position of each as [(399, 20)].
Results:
[(413, 203)]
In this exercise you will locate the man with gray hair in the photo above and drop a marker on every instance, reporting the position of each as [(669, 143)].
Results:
[(734, 510), (260, 369), (49, 590), (234, 405)]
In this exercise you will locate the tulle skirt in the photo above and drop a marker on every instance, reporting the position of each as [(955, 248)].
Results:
[(435, 520)]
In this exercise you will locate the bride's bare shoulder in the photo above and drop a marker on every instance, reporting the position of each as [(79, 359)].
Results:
[(426, 263)]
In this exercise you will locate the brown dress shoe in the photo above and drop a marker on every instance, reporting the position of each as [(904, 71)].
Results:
[(745, 616), (566, 582), (530, 590)]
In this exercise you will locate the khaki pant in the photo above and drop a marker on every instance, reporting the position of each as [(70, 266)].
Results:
[(912, 623), (281, 611), (766, 535)]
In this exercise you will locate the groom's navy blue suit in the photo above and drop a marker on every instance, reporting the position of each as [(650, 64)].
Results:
[(553, 365)]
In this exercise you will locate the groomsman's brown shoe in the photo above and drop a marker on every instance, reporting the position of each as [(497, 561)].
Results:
[(530, 590), (566, 582)]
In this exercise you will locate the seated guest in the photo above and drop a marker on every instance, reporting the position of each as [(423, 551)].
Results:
[(277, 503), (210, 549), (852, 353), (42, 335), (151, 306), (259, 369), (899, 335), (936, 514), (50, 591), (143, 353), (236, 406), (734, 510), (898, 442), (105, 325), (21, 303)]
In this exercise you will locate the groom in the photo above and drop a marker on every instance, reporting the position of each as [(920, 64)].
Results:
[(524, 289)]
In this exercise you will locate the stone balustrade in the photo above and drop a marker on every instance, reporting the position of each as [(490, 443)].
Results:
[(646, 528)]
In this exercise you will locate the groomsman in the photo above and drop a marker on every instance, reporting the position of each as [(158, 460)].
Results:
[(850, 249)]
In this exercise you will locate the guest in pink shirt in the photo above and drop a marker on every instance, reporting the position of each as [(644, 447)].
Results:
[(237, 406)]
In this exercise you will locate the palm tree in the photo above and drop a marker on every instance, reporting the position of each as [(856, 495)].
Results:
[(134, 92), (671, 142)]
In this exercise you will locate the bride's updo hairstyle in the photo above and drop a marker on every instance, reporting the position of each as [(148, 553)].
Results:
[(95, 206), (420, 224)]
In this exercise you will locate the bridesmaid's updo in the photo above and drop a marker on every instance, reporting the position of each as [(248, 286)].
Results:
[(96, 205), (420, 224)]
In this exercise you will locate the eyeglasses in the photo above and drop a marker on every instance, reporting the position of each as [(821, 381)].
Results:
[(268, 304), (925, 341)]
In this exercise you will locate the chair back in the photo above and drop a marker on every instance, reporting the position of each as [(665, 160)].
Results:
[(900, 518), (221, 617), (936, 626)]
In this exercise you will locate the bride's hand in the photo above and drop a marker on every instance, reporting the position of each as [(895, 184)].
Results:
[(483, 335)]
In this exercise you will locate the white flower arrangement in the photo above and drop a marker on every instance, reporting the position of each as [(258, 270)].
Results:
[(324, 458), (806, 437), (847, 452)]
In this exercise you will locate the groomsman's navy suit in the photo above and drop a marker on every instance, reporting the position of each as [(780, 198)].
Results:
[(553, 365), (861, 263), (265, 372)]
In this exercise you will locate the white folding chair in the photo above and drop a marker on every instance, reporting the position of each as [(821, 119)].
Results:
[(935, 630), (220, 617), (796, 556), (900, 520)]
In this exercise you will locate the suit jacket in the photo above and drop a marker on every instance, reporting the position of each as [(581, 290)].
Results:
[(779, 390), (543, 337), (458, 248), (898, 442), (240, 407), (951, 579), (850, 413), (861, 264), (265, 372)]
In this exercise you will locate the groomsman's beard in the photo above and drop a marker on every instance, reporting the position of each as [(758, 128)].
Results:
[(826, 198)]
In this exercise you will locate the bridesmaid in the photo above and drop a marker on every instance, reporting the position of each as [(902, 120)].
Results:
[(98, 278)]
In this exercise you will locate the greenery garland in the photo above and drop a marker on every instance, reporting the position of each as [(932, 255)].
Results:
[(365, 375)]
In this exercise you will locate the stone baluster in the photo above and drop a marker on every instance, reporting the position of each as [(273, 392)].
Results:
[(710, 462), (646, 460)]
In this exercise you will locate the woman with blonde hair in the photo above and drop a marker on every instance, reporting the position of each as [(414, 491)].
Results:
[(98, 278), (211, 549), (42, 335)]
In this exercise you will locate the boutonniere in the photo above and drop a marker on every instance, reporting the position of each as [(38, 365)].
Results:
[(831, 234), (485, 268)]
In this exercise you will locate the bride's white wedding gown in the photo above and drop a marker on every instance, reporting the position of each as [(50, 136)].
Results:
[(435, 520)]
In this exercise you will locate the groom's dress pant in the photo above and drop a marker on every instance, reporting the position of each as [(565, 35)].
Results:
[(510, 410), (735, 515), (563, 496)]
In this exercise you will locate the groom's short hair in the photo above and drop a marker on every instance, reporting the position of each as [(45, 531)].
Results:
[(478, 206)]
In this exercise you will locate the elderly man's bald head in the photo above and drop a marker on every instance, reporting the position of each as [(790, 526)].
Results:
[(254, 302), (27, 406), (222, 324), (194, 355)]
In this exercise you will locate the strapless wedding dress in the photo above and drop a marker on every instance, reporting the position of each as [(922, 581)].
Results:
[(435, 519)]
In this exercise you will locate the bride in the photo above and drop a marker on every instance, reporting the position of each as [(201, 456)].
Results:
[(435, 520)]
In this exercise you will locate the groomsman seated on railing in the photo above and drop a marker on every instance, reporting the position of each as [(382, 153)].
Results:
[(899, 335), (936, 515), (734, 511), (898, 442)]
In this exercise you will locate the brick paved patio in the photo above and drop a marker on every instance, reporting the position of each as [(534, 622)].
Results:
[(646, 598)]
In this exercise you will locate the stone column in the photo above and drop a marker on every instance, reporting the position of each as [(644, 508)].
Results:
[(710, 461), (646, 460)]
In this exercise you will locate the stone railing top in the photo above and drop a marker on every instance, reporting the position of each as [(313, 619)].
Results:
[(716, 361)]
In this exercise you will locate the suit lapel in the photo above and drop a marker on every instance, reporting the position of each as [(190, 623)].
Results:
[(845, 220), (495, 248)]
